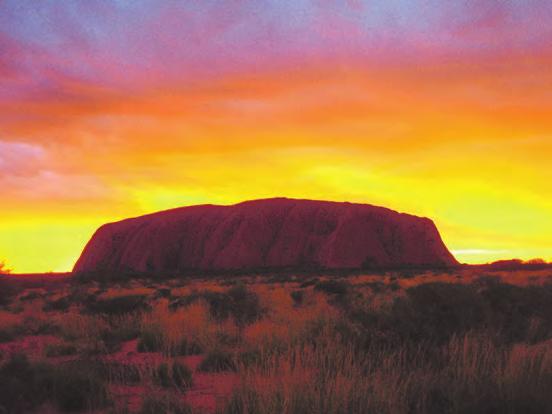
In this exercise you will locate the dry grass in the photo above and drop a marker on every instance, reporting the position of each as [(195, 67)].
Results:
[(364, 344)]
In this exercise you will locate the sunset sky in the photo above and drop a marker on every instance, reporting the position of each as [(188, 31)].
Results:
[(112, 109)]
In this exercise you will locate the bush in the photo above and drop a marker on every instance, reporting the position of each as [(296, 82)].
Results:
[(436, 311), (297, 296), (79, 386), (30, 296), (176, 374), (150, 341), (6, 335), (61, 304), (217, 361), (184, 301), (167, 405), (118, 305), (513, 308), (307, 283), (187, 347), (73, 387), (376, 287), (56, 350), (7, 293), (121, 373), (115, 336), (335, 287), (24, 386), (238, 302), (163, 293)]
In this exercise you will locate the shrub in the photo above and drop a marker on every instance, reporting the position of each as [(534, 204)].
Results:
[(436, 311), (6, 335), (184, 301), (376, 287), (56, 350), (162, 375), (216, 361), (61, 304), (163, 293), (187, 347), (164, 405), (121, 373), (4, 269), (336, 287), (512, 309), (79, 386), (118, 305), (297, 296), (73, 387), (114, 336), (181, 375), (307, 283), (7, 293), (238, 302), (24, 386), (150, 341), (30, 296)]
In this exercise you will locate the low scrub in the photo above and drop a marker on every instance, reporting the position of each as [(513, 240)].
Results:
[(336, 287), (173, 374), (72, 387), (118, 305), (217, 361), (237, 302), (164, 404)]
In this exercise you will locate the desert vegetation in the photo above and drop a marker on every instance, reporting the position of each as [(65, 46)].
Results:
[(4, 268), (469, 341)]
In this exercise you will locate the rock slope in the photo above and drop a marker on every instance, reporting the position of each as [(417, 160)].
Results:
[(279, 233)]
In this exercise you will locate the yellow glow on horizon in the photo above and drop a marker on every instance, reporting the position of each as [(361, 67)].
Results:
[(469, 156)]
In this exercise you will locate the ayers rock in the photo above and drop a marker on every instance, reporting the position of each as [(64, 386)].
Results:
[(279, 233)]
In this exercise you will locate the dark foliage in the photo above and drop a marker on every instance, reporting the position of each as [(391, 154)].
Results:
[(184, 301), (120, 373), (7, 293), (335, 287), (307, 283), (173, 375), (434, 312), (56, 350), (24, 386), (217, 361), (80, 386), (61, 304), (188, 347), (113, 337), (150, 341), (73, 387), (118, 305), (237, 302), (159, 405), (297, 296)]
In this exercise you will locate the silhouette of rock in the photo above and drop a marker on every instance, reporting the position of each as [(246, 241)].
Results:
[(279, 233)]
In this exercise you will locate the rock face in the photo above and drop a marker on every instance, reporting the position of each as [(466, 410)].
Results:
[(276, 234)]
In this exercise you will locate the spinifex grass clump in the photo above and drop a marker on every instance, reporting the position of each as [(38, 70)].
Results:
[(217, 361), (173, 374)]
